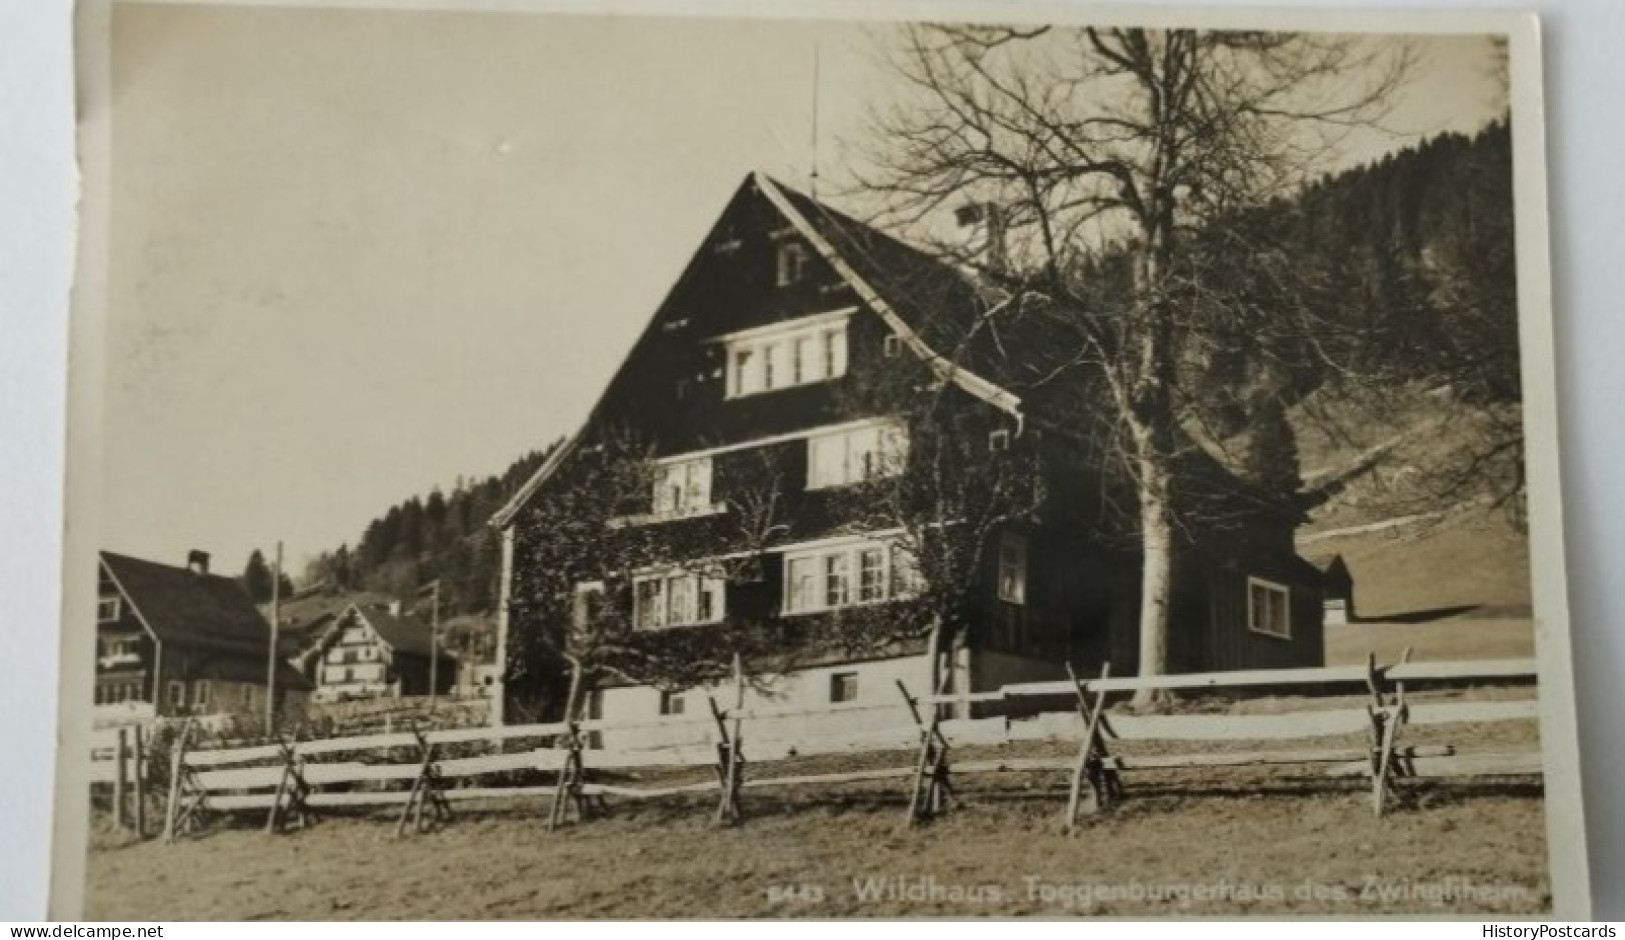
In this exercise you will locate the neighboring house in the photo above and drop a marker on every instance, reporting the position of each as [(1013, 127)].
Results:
[(374, 651), (472, 639), (478, 680), (308, 613), (786, 309), (1339, 591), (183, 641)]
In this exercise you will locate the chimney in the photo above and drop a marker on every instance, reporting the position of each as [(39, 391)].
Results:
[(197, 562), (394, 608)]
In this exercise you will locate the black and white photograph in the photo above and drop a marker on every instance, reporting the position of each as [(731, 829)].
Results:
[(809, 461)]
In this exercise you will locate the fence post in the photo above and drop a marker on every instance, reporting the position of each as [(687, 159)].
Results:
[(568, 792), (931, 787), (1091, 769), (140, 783), (1386, 721), (425, 790), (120, 769), (728, 759), (176, 767)]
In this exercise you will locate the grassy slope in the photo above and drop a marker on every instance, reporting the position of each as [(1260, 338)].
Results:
[(668, 860), (1257, 830), (1474, 561), (1453, 587)]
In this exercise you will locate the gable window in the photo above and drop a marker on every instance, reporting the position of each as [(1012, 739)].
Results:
[(1013, 568), (800, 352), (843, 687), (862, 573), (792, 263), (1269, 608), (682, 487), (107, 610), (671, 703), (853, 456), (676, 599)]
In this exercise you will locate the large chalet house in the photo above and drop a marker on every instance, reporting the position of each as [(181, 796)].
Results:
[(375, 650), (767, 350), (174, 640)]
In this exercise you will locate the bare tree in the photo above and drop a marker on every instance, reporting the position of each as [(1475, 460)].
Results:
[(1122, 142)]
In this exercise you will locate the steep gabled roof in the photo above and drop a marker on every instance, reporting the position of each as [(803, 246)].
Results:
[(405, 633), (927, 303), (182, 607), (227, 668), (921, 299)]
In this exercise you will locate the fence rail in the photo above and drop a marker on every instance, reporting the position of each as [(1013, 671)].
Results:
[(424, 772)]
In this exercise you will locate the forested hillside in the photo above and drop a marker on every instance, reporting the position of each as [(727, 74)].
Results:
[(442, 535), (1372, 287)]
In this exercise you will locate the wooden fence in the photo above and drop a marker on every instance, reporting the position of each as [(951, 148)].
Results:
[(119, 765), (424, 773)]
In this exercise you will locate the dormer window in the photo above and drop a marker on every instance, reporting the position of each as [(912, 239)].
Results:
[(800, 352), (792, 266)]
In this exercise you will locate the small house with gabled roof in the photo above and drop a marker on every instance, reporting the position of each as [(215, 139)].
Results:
[(376, 651), (183, 640)]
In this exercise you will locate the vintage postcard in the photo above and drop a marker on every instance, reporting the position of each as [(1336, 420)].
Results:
[(812, 460)]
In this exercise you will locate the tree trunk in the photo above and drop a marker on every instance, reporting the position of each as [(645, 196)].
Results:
[(1156, 575), (1152, 422), (572, 699)]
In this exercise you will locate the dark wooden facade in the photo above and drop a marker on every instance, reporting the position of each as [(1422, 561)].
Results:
[(677, 390)]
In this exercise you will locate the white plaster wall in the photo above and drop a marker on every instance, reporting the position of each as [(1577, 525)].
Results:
[(878, 705)]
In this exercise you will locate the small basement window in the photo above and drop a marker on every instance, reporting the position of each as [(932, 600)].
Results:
[(1269, 608), (843, 687)]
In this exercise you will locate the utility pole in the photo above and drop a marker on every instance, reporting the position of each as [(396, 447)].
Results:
[(434, 641), (276, 625)]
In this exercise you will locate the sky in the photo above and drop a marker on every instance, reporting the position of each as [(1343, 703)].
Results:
[(357, 254)]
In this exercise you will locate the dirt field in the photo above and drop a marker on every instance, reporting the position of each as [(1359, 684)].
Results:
[(1191, 845)]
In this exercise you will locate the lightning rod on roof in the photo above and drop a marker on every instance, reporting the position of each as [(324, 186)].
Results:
[(812, 181)]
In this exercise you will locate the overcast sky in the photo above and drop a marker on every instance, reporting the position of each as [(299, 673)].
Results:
[(358, 253)]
